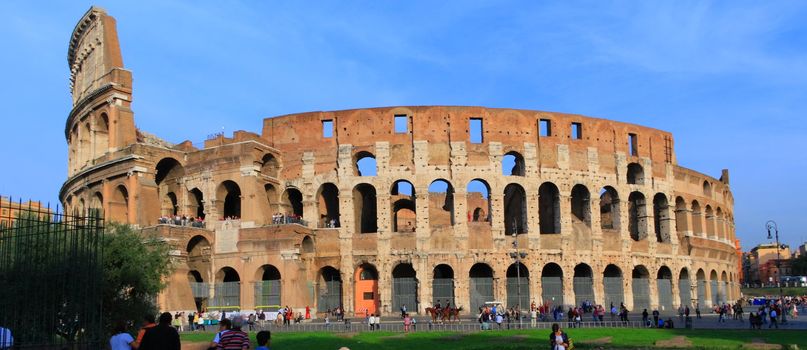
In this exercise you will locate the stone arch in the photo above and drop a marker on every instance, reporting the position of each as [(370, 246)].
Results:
[(403, 206), (661, 218), (713, 288), (329, 290), (292, 203), (684, 287), (443, 285), (609, 209), (707, 189), (441, 203), (549, 208), (720, 224), (478, 201), (97, 204), (269, 165), (268, 288), (681, 216), (723, 288), (583, 284), (481, 284), (641, 288), (518, 286), (170, 205), (307, 245), (328, 205), (272, 198), (227, 289), (635, 175), (664, 289), (613, 286), (710, 221), (697, 220), (365, 164), (101, 135), (364, 208), (197, 203), (404, 287), (515, 209), (702, 292), (82, 207), (229, 197), (513, 164), (581, 207), (119, 205), (552, 284), (637, 216), (366, 288)]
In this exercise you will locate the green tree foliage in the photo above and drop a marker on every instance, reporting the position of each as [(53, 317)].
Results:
[(134, 269), (799, 265)]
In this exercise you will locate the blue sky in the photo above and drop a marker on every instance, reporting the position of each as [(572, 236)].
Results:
[(728, 79)]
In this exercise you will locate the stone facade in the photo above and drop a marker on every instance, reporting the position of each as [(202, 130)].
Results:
[(600, 208)]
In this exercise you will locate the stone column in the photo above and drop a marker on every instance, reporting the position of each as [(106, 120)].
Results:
[(568, 285)]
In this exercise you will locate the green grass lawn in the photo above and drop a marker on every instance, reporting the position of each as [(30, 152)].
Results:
[(621, 338), (759, 292)]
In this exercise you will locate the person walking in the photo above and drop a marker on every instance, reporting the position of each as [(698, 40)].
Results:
[(162, 336), (773, 316), (148, 323), (558, 339), (120, 341), (235, 339)]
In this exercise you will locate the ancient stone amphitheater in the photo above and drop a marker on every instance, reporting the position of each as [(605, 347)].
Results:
[(384, 207)]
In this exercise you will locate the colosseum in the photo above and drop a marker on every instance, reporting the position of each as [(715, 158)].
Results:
[(371, 209)]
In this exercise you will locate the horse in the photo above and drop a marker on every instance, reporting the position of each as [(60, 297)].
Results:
[(452, 313), (444, 314), (434, 313)]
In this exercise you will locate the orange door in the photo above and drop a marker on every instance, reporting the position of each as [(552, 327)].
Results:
[(366, 289)]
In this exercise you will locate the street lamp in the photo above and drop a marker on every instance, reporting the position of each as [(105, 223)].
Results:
[(517, 256), (772, 225)]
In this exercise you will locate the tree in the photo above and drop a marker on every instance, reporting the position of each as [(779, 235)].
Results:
[(799, 265), (134, 270)]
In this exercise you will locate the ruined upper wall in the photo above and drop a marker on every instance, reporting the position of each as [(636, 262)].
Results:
[(441, 126)]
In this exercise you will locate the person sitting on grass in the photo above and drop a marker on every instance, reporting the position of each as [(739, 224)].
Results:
[(263, 338), (558, 339)]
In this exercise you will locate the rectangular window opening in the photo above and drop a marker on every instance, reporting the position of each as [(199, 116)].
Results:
[(632, 145), (545, 127), (476, 130), (401, 124), (327, 128), (577, 131), (368, 296)]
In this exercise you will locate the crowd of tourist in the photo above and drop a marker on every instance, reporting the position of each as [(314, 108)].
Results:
[(280, 219), (182, 220)]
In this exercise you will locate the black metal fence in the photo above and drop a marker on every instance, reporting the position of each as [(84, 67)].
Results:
[(50, 277)]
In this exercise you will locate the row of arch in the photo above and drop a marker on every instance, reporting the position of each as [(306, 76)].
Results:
[(88, 140)]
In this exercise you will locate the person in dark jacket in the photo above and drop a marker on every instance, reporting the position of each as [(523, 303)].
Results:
[(558, 339), (162, 336)]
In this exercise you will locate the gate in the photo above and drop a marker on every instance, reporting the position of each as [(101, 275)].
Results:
[(614, 293), (481, 291), (641, 294), (442, 291), (267, 294), (404, 292), (665, 298), (330, 295), (200, 290), (552, 289), (227, 295), (721, 294), (701, 292), (715, 293), (684, 291), (50, 272), (518, 292), (583, 290)]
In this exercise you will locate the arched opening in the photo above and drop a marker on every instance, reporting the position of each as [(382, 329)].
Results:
[(229, 195), (404, 213), (307, 245), (364, 208), (635, 174), (719, 224), (170, 206), (515, 209), (366, 287), (549, 208), (268, 289), (481, 283), (328, 205), (97, 205), (82, 207), (701, 278), (697, 219), (272, 198), (443, 285), (404, 287), (681, 211), (119, 205), (581, 208), (707, 189), (101, 135), (478, 201), (664, 288), (227, 290), (609, 209), (641, 288), (724, 288), (292, 203), (661, 218), (365, 164), (197, 203), (637, 219), (713, 288), (269, 165), (518, 286), (513, 164), (710, 222), (684, 287), (612, 286), (199, 288), (168, 177), (329, 291), (86, 145), (552, 285), (583, 284), (441, 204)]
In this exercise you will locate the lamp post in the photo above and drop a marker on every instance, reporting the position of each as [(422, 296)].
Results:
[(517, 256), (772, 225)]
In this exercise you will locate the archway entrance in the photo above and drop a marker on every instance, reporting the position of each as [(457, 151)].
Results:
[(612, 284), (664, 284), (267, 290), (330, 289), (443, 285), (518, 286), (404, 288), (366, 287), (552, 285), (583, 284), (641, 288), (684, 288), (481, 278)]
